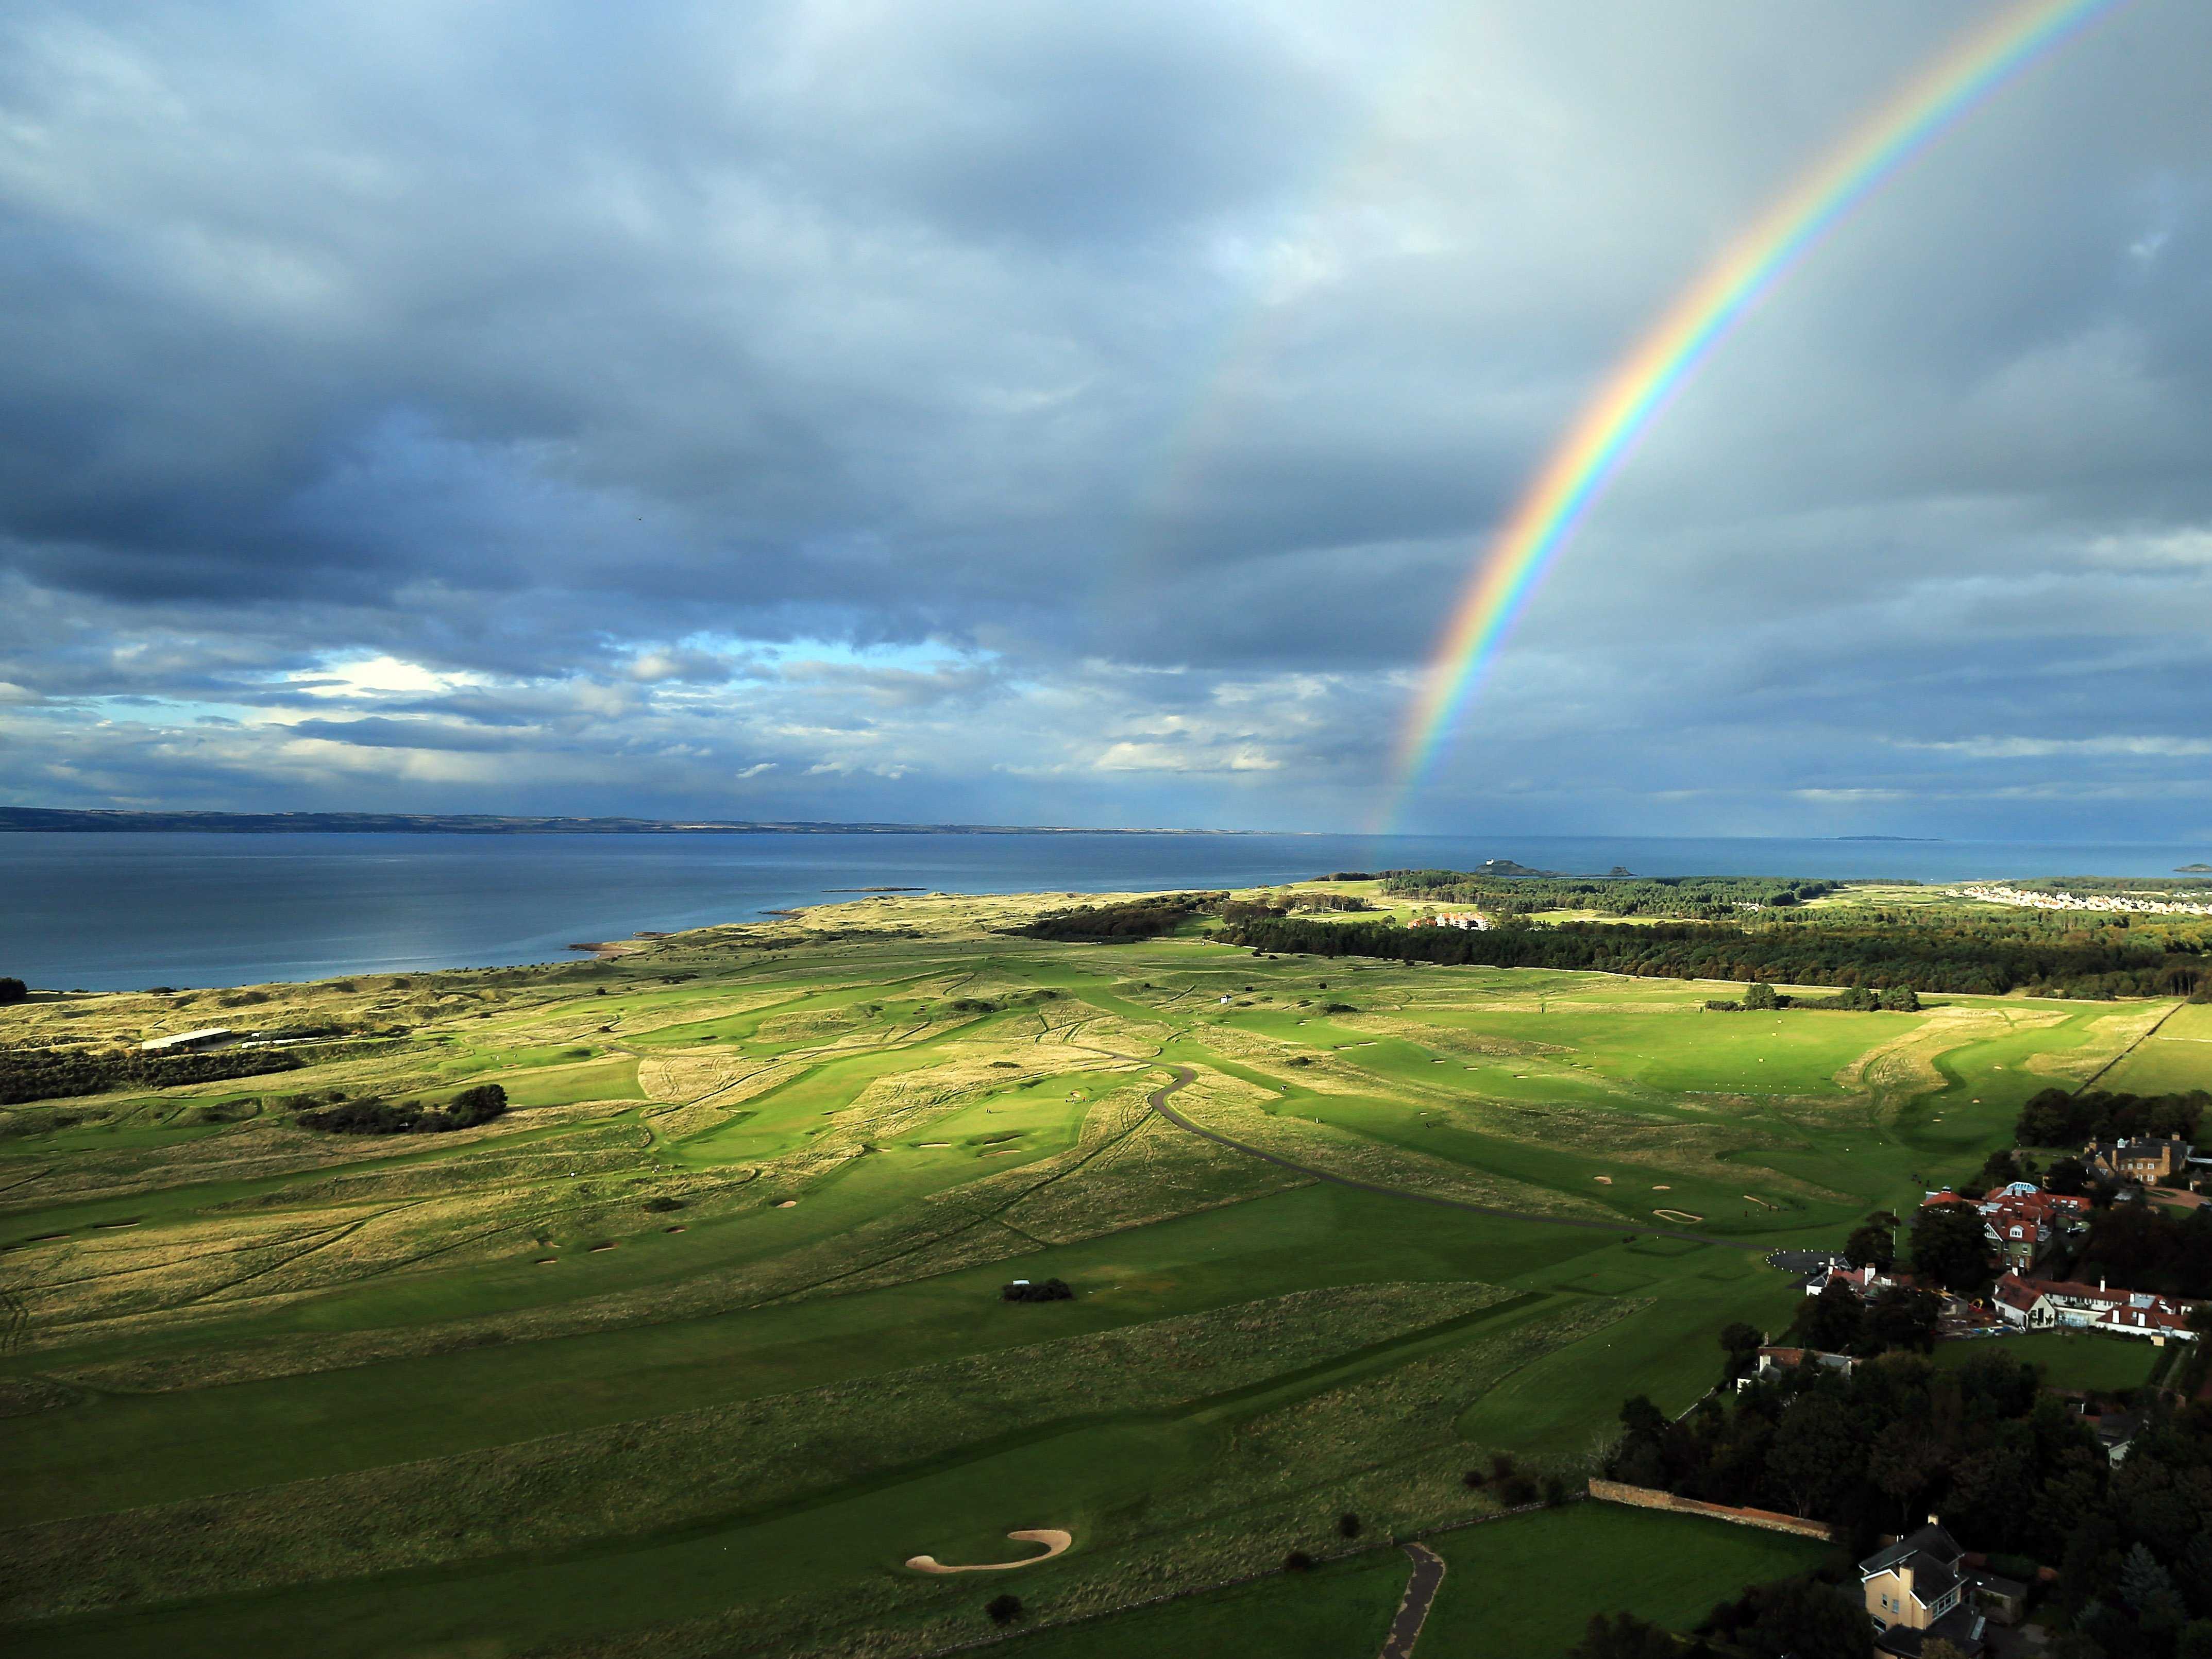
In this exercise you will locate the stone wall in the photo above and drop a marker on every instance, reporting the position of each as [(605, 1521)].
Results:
[(1643, 1497)]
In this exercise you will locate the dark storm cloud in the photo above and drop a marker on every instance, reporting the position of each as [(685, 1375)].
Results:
[(988, 410)]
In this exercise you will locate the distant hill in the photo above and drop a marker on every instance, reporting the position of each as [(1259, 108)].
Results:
[(482, 824)]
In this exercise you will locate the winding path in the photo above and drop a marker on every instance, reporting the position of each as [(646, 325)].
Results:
[(1184, 1076), (1413, 1611)]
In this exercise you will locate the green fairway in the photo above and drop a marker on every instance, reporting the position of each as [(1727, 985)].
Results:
[(696, 1344), (1517, 1588), (2175, 1057), (1593, 1558)]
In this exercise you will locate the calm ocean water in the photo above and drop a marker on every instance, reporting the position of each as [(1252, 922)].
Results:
[(120, 912)]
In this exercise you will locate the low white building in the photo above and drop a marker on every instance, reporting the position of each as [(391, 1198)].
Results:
[(187, 1040)]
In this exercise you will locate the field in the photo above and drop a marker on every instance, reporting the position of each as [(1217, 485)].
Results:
[(2073, 1359), (690, 1351)]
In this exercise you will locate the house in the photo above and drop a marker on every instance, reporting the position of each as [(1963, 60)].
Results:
[(2115, 1433), (1919, 1587), (2021, 1303), (1771, 1360), (2146, 1161), (2043, 1305), (185, 1040), (1860, 1282), (2160, 1318)]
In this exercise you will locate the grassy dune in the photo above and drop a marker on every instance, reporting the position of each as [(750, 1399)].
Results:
[(691, 1350)]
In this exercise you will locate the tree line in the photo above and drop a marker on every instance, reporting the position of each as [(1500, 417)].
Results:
[(57, 1073), (2056, 1118), (1690, 897), (1966, 959), (1132, 919)]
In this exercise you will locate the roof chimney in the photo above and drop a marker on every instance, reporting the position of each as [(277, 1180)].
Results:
[(2100, 1282)]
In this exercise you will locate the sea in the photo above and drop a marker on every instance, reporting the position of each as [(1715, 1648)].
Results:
[(105, 912)]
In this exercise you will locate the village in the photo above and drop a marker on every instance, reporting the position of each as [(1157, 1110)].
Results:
[(1998, 893), (1937, 1591)]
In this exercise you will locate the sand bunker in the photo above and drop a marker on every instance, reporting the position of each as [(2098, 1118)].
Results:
[(1661, 1187), (787, 1203), (596, 1249), (1052, 1538), (926, 1145), (1676, 1215), (1607, 1179)]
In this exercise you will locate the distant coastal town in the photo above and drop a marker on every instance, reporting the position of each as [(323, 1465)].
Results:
[(2001, 894)]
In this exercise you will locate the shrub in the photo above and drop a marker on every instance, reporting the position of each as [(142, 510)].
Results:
[(1347, 1525), (1297, 1561), (473, 1106), (1004, 1609)]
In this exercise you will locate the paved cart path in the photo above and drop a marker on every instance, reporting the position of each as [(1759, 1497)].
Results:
[(1184, 1075), (1413, 1611)]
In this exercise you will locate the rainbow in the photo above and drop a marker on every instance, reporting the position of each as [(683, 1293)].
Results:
[(1640, 386)]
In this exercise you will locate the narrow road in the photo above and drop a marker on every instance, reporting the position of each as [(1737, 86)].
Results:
[(1184, 1075), (1413, 1611)]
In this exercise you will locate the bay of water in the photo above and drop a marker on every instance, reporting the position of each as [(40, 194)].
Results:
[(124, 911)]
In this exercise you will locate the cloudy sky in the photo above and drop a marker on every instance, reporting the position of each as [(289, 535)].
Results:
[(1043, 413)]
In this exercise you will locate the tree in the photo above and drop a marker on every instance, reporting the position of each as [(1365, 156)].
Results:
[(1903, 1318), (1901, 999), (1622, 1637), (1870, 1245), (1948, 1247), (1806, 1619), (1741, 1342), (1903, 1462), (1815, 1456), (2148, 1588), (1004, 1609), (473, 1106), (1759, 997), (1297, 1561), (2067, 1176), (13, 990), (1347, 1525), (1937, 1648), (1834, 1321)]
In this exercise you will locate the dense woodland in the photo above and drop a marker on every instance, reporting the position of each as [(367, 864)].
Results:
[(1972, 957), (2147, 1247), (2012, 1471), (2056, 1118), (1695, 898), (58, 1074), (1133, 919)]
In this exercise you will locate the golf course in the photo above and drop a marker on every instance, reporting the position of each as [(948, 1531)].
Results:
[(704, 1341)]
